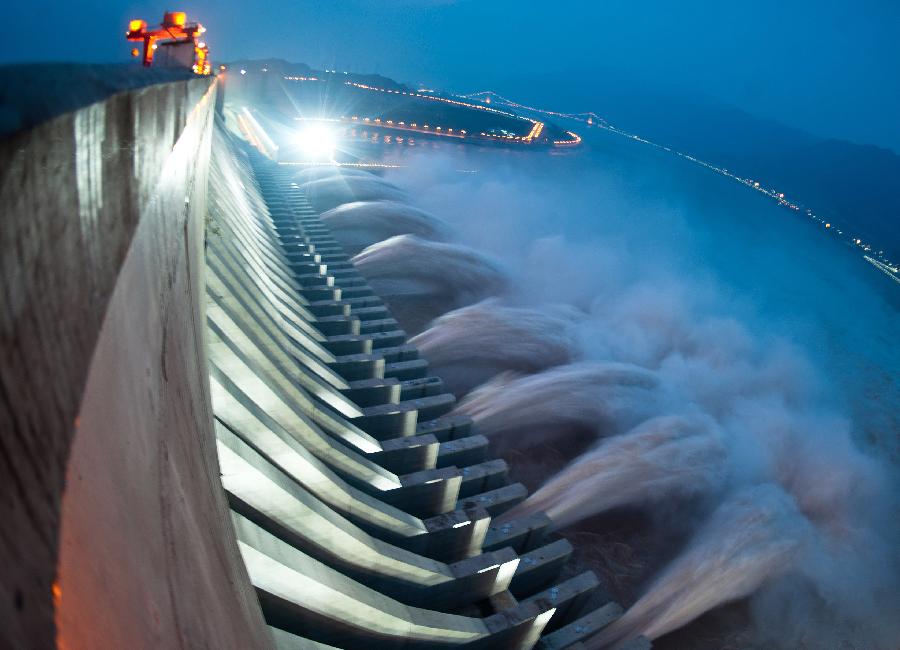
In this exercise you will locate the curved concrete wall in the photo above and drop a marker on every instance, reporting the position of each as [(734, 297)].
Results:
[(114, 522)]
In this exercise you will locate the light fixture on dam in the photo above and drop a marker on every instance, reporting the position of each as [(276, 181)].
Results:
[(317, 141)]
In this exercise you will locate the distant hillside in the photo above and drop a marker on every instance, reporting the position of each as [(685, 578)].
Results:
[(286, 68), (856, 186)]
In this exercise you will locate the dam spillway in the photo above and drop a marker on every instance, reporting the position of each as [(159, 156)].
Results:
[(227, 341), (428, 489)]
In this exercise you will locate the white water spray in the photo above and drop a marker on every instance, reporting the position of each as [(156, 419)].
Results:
[(598, 398), (750, 539), (422, 279), (330, 192), (363, 223), (662, 458), (469, 346)]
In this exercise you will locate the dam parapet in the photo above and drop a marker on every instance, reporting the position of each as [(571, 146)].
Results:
[(109, 480)]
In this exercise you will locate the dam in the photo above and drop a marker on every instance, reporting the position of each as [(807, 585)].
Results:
[(216, 433)]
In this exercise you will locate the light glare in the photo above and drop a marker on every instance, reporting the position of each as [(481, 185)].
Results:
[(317, 141)]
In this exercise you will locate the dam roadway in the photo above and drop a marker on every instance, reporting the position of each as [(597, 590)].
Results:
[(220, 436)]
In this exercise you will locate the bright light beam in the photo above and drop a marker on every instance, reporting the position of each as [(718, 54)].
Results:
[(317, 141)]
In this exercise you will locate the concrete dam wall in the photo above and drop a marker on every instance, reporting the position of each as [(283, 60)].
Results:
[(114, 525), (216, 434)]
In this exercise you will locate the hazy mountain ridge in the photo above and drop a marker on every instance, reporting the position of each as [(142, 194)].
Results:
[(855, 185), (287, 68)]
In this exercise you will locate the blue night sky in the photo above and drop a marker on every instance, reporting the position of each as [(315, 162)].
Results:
[(829, 67)]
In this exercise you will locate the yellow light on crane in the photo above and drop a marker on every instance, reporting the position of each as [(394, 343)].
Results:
[(174, 19)]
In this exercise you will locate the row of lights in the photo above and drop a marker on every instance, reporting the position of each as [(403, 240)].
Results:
[(883, 263), (574, 138), (437, 99), (387, 139), (412, 126), (536, 127), (587, 118)]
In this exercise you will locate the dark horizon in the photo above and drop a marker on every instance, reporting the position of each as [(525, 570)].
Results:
[(802, 65)]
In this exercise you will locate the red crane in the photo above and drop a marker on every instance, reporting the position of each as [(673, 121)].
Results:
[(180, 41)]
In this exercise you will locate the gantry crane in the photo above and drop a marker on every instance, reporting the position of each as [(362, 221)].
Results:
[(180, 41)]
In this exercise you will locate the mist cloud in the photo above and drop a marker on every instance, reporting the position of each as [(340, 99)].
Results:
[(665, 387)]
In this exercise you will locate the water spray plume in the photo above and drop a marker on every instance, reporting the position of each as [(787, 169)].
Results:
[(663, 458), (421, 279), (330, 192), (363, 223), (750, 539), (469, 346), (600, 398), (680, 388)]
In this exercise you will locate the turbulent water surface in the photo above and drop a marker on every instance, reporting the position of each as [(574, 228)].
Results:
[(657, 344)]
